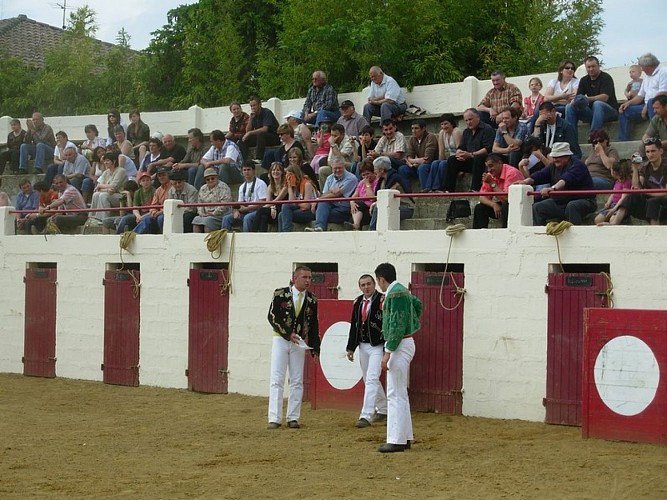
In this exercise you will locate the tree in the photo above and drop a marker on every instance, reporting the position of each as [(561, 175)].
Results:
[(68, 83), (16, 78)]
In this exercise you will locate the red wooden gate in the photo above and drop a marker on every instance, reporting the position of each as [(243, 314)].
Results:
[(325, 286), (436, 372), (568, 295), (208, 331), (121, 327), (39, 346)]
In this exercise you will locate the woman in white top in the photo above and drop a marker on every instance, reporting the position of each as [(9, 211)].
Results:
[(431, 176), (109, 186), (561, 90)]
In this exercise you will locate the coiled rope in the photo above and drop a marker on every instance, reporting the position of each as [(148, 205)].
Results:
[(555, 229), (214, 241)]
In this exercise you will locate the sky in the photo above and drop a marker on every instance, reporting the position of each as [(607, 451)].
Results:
[(630, 29)]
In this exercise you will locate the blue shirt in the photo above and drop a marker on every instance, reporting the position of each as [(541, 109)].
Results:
[(27, 202), (347, 183)]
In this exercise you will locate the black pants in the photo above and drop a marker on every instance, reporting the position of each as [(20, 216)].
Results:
[(260, 141), (646, 207), (475, 166), (482, 214), (11, 156)]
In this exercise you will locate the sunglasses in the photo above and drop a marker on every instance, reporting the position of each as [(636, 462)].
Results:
[(653, 141), (569, 67)]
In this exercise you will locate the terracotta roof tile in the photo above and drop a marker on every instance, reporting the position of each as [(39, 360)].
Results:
[(30, 40)]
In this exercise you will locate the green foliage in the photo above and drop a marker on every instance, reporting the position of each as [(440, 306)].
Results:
[(216, 51), (16, 78)]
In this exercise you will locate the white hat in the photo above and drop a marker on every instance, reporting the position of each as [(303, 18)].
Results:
[(560, 149), (294, 114)]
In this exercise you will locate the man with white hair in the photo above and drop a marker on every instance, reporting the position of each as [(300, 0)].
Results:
[(321, 101), (386, 98), (640, 107)]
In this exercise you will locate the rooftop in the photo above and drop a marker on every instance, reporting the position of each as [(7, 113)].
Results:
[(30, 40)]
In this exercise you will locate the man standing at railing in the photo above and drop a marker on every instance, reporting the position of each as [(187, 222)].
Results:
[(564, 174)]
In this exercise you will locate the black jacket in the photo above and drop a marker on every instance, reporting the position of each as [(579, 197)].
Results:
[(372, 327), (281, 317)]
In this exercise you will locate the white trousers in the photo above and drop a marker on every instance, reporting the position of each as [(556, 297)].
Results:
[(284, 355), (104, 200), (399, 421), (370, 359)]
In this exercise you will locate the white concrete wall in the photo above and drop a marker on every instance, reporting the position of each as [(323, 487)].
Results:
[(440, 98), (505, 321)]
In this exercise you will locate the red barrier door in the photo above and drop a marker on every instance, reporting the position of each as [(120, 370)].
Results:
[(208, 331), (568, 295), (121, 328), (325, 286), (436, 372), (39, 346)]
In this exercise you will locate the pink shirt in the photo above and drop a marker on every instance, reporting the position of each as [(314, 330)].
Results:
[(360, 190), (618, 186), (508, 176)]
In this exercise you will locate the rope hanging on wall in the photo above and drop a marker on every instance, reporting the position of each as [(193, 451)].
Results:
[(214, 241), (451, 231)]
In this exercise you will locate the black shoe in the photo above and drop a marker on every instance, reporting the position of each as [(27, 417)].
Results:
[(22, 171), (293, 424), (379, 417), (273, 425), (391, 448), (38, 171), (361, 423)]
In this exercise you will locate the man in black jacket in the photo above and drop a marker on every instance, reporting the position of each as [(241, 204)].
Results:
[(366, 333), (293, 317)]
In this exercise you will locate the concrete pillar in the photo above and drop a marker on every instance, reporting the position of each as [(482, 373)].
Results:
[(195, 113), (173, 217), (521, 206), (389, 218), (8, 221)]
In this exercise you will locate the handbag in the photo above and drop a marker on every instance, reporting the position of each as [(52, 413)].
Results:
[(458, 208)]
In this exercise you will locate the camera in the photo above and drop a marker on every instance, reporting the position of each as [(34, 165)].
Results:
[(637, 158)]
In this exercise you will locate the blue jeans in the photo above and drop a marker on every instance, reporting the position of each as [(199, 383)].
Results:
[(385, 111), (291, 213), (602, 183), (631, 114), (229, 174), (40, 152), (150, 225), (330, 212), (596, 114), (407, 173), (436, 174), (247, 221), (51, 172), (126, 223)]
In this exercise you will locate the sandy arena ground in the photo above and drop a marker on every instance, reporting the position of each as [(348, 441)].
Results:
[(69, 438)]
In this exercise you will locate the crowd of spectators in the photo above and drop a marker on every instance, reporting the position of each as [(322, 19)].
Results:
[(506, 139)]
